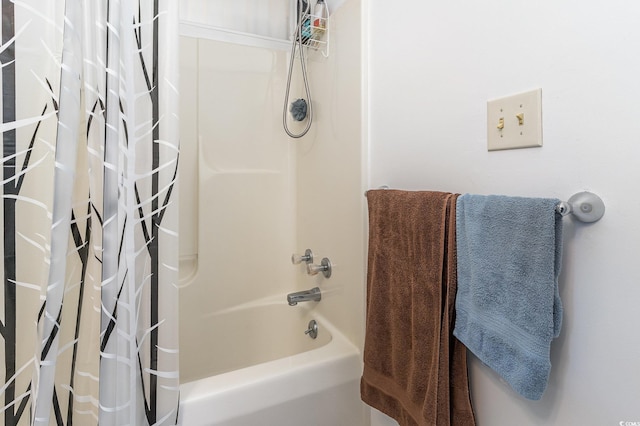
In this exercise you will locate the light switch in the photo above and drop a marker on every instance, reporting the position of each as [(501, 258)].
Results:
[(515, 121)]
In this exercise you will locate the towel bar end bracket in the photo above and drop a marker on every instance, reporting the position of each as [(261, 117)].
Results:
[(585, 206)]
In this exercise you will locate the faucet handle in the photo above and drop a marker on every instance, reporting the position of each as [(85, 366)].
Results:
[(306, 257), (324, 267)]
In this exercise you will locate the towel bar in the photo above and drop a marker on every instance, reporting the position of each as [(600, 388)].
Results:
[(584, 206)]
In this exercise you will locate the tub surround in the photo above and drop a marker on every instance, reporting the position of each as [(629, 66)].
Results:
[(287, 195), (249, 334)]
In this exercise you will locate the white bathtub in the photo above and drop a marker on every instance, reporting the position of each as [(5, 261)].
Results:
[(268, 372)]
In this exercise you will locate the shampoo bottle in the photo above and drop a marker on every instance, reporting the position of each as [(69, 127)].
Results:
[(320, 15)]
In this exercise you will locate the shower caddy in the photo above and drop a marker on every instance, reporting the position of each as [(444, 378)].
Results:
[(319, 26)]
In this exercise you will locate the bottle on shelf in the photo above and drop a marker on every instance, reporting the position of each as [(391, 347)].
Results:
[(320, 15), (304, 21)]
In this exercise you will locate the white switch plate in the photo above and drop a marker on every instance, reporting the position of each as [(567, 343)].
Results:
[(515, 133)]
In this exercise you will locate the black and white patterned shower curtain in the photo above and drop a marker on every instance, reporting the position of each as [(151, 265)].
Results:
[(88, 308)]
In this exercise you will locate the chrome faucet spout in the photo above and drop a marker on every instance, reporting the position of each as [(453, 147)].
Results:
[(304, 296)]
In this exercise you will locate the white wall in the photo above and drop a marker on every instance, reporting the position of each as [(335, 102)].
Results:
[(432, 67)]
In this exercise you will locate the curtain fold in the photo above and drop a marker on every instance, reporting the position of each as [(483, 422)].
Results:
[(89, 219)]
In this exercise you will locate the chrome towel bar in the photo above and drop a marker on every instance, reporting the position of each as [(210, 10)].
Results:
[(584, 206)]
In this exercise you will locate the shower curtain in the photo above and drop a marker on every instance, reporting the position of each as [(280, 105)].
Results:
[(88, 309)]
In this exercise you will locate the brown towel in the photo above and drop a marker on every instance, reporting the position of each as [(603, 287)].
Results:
[(414, 369)]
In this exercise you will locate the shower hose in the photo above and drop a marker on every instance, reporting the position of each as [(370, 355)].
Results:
[(297, 42)]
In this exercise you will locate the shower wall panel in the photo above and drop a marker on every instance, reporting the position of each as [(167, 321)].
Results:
[(239, 172), (188, 155), (331, 205)]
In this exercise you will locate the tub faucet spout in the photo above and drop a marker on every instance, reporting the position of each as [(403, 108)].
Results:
[(304, 296)]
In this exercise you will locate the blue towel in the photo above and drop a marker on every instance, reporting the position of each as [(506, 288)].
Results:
[(508, 308)]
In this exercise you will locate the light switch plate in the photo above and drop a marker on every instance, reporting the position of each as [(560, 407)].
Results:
[(515, 121)]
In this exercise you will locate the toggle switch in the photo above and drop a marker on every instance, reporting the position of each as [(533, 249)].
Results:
[(506, 126)]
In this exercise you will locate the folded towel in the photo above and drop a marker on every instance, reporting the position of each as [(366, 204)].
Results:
[(414, 369), (508, 308)]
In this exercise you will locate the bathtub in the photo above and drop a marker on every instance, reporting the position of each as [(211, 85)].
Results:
[(261, 369)]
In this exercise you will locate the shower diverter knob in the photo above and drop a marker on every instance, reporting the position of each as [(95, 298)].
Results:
[(312, 329)]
